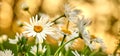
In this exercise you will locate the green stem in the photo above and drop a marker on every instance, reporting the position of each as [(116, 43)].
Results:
[(93, 53), (26, 54), (67, 52), (67, 25), (2, 48), (17, 49), (58, 18), (84, 51), (63, 46), (48, 50), (37, 49), (63, 40)]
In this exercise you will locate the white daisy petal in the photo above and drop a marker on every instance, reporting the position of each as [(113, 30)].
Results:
[(13, 41), (75, 53), (31, 21), (39, 28), (41, 49), (36, 18), (6, 53), (18, 37), (30, 34), (27, 24)]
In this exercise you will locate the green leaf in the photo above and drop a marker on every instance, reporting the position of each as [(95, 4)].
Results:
[(48, 53)]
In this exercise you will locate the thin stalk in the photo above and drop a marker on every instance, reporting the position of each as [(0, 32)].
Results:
[(2, 48), (85, 49), (48, 50), (93, 53), (17, 50), (37, 49), (63, 46), (58, 18), (67, 26), (63, 39)]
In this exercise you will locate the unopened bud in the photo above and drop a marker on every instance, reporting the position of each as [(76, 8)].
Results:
[(19, 23), (4, 37), (25, 7)]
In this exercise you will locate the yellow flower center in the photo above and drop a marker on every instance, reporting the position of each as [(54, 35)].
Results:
[(66, 31), (38, 29), (93, 37)]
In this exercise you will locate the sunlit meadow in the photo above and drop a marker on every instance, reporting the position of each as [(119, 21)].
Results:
[(59, 28)]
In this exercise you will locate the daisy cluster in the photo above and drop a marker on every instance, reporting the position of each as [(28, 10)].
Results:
[(40, 27)]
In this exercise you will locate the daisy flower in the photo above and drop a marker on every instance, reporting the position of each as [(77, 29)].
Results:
[(6, 53), (70, 13), (4, 37), (24, 6), (69, 34), (18, 37), (41, 50), (39, 28), (69, 37), (100, 41), (81, 24)]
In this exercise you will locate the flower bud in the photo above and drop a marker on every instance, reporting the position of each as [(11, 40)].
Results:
[(25, 7), (4, 37)]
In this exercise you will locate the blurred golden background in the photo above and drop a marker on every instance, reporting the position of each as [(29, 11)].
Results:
[(105, 16)]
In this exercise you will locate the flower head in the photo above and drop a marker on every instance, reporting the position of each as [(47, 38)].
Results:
[(69, 34), (41, 49), (100, 41), (81, 24), (6, 53), (18, 37), (69, 37), (4, 37), (39, 28), (25, 6), (70, 13)]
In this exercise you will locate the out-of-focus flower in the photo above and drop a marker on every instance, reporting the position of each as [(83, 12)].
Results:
[(69, 37), (98, 40), (81, 24), (4, 37), (19, 23), (70, 34), (75, 53), (70, 13), (24, 6), (6, 53), (41, 50), (39, 28), (18, 37)]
